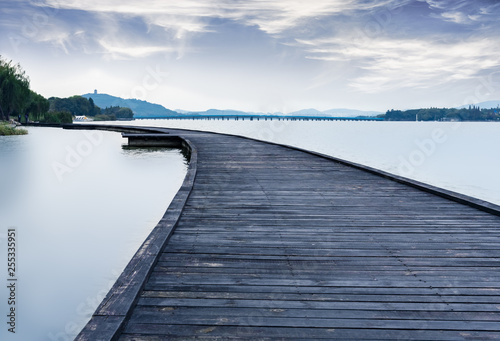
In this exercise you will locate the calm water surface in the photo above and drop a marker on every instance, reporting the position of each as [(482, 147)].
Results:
[(82, 206)]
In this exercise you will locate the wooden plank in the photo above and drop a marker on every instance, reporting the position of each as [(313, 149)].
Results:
[(149, 314), (431, 296), (311, 322), (161, 331)]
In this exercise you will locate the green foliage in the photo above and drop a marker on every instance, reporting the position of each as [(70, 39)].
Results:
[(38, 106), (102, 117), (81, 106), (16, 98), (14, 89), (58, 117), (118, 112), (443, 114), (6, 130), (91, 102), (76, 105)]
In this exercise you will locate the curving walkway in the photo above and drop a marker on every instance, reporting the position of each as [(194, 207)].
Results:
[(268, 242)]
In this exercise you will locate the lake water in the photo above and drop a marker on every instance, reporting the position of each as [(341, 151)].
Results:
[(458, 156), (81, 206)]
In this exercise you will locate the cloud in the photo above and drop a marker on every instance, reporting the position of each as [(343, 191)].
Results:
[(463, 12), (456, 17), (271, 16), (169, 26), (386, 64), (58, 39), (125, 51), (442, 4), (275, 17)]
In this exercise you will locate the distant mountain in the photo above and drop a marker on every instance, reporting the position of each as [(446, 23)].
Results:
[(306, 112), (217, 112), (141, 109), (484, 105), (335, 113), (351, 112)]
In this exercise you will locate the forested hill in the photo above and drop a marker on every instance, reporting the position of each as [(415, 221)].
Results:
[(471, 113), (141, 109)]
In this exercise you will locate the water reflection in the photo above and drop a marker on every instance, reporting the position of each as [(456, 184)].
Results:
[(153, 152)]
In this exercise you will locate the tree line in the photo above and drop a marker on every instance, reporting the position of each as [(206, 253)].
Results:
[(16, 97), (116, 112), (75, 105), (81, 106), (472, 113), (18, 101)]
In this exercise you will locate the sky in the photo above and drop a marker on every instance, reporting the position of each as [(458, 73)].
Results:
[(260, 55)]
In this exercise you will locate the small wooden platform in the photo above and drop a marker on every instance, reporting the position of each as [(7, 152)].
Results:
[(275, 243), (153, 140)]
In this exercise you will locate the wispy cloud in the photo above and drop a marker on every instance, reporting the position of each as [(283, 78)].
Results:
[(463, 11), (181, 20), (59, 39), (456, 17), (275, 17), (125, 51), (271, 16), (385, 64)]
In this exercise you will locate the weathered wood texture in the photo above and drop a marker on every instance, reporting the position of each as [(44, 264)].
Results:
[(275, 243)]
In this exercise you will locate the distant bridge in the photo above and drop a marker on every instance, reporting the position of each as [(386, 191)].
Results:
[(261, 118)]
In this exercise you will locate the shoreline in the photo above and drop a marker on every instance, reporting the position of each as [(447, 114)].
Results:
[(10, 129)]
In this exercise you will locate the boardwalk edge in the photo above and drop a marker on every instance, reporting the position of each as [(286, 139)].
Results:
[(113, 312), (479, 204)]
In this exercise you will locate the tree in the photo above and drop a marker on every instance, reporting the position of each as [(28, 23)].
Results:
[(76, 105), (119, 112), (472, 113), (14, 89), (95, 110), (57, 117), (38, 106)]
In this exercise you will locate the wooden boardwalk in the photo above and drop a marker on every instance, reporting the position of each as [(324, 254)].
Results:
[(276, 243)]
